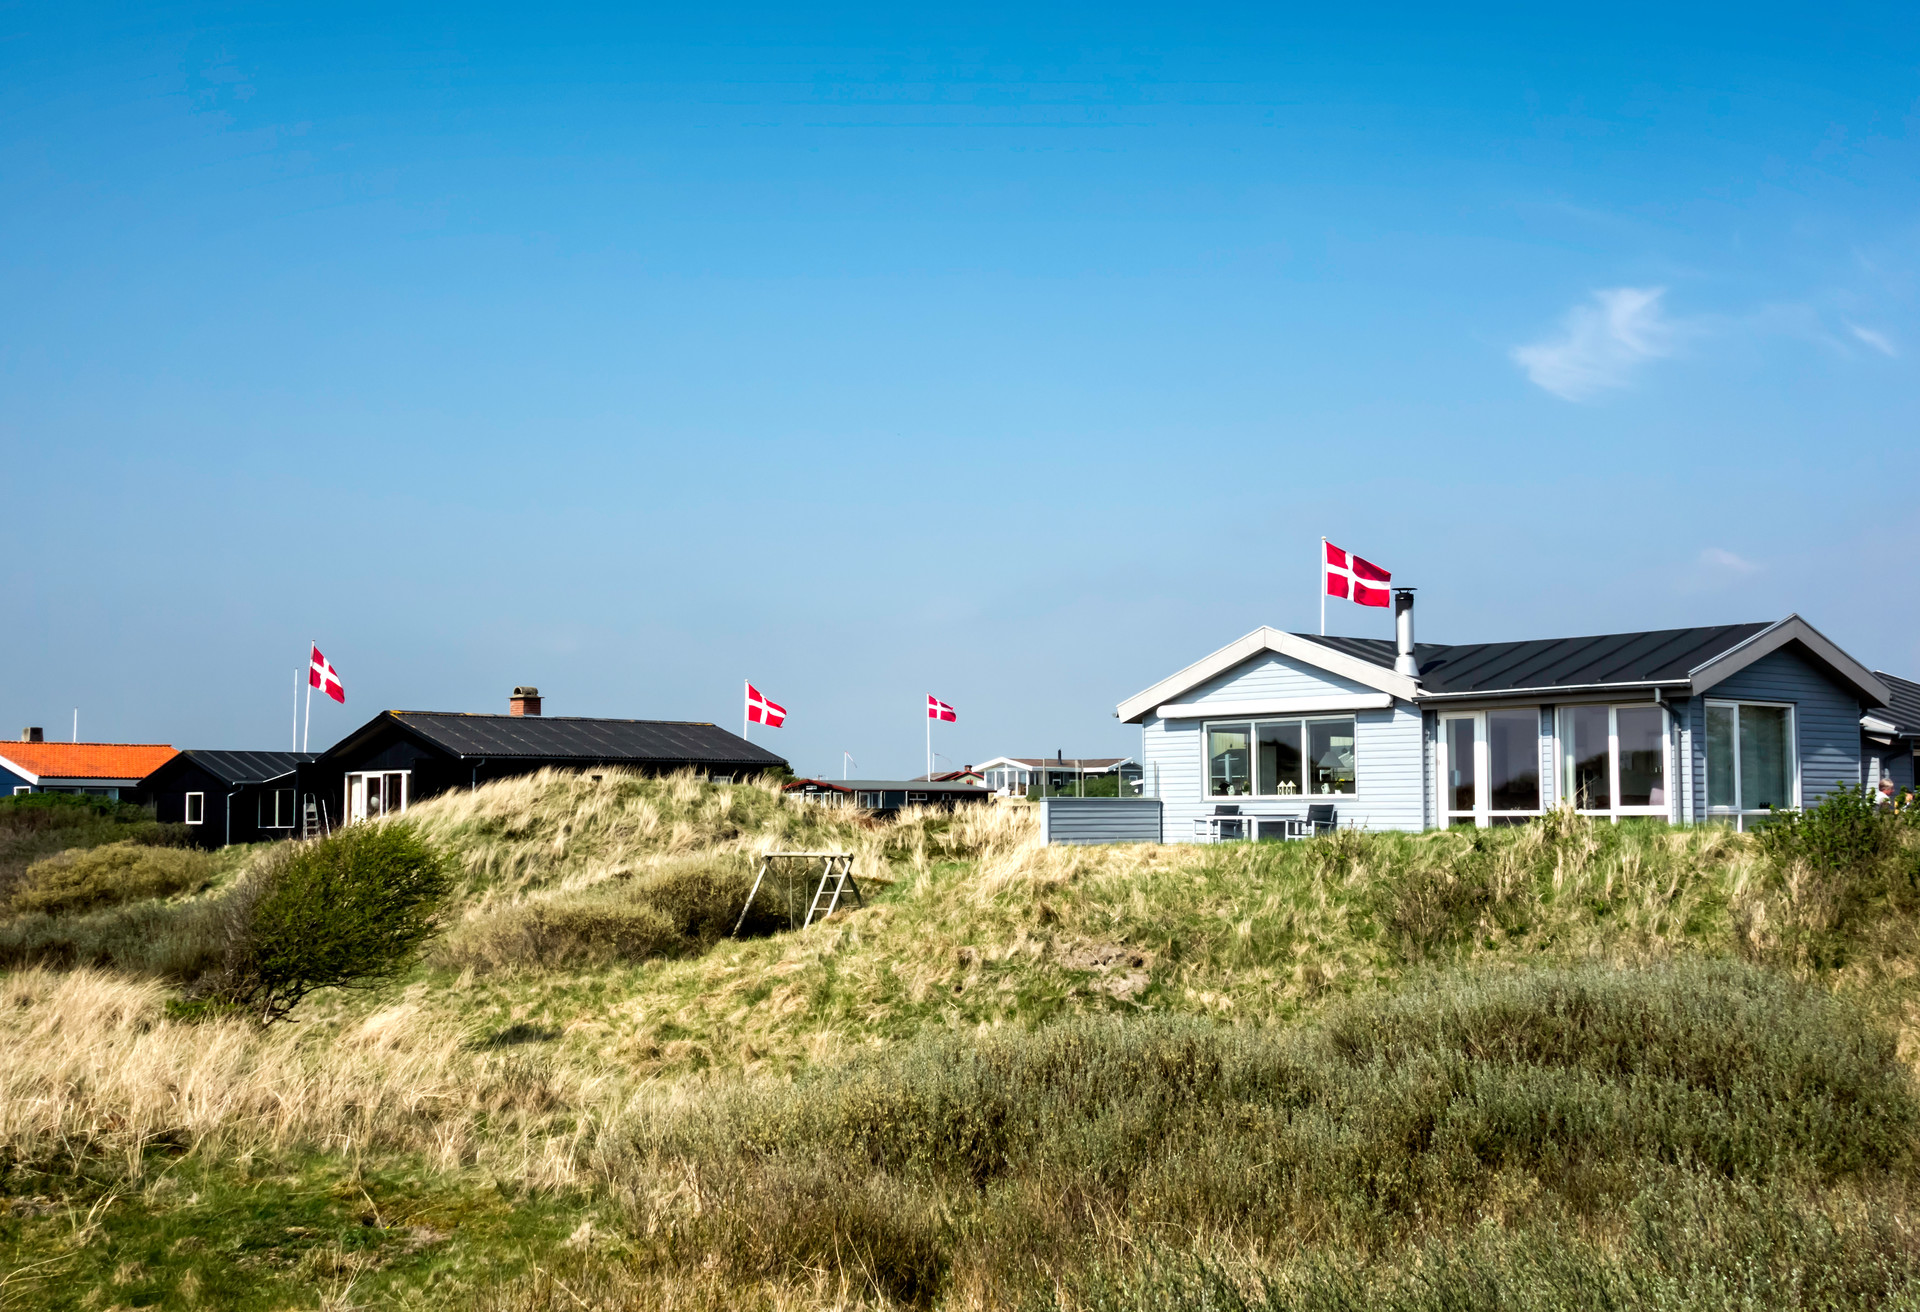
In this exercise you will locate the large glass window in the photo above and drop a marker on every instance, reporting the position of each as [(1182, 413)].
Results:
[(1641, 731), (1462, 760), (1613, 759), (1751, 762), (1589, 764), (1513, 760), (1282, 758), (1279, 758), (1228, 759)]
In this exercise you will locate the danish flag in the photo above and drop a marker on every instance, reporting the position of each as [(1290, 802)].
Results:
[(1357, 580), (939, 710), (321, 675), (762, 711)]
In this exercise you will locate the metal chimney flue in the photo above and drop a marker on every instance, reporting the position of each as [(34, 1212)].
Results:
[(1403, 661)]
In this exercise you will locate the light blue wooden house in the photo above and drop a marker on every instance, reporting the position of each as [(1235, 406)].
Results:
[(1688, 725)]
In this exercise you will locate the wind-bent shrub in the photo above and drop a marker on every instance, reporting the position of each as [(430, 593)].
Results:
[(349, 911)]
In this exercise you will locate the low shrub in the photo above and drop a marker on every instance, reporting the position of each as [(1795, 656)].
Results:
[(180, 941), (348, 911), (1009, 1151), (675, 909), (34, 826), (86, 879)]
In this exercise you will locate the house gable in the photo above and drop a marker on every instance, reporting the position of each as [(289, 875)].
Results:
[(1337, 673)]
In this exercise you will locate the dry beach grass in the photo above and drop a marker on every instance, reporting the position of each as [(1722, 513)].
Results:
[(663, 1098)]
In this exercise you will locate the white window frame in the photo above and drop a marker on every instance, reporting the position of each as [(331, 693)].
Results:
[(1253, 724), (1483, 815), (21, 789), (406, 793), (1737, 814), (878, 803), (293, 807), (196, 802), (1563, 743)]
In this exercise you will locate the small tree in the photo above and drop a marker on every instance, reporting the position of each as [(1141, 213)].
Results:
[(348, 911)]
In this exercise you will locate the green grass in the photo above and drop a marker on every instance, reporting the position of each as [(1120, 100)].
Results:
[(1568, 1066)]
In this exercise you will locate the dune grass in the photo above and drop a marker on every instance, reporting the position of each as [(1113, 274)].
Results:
[(1570, 1065)]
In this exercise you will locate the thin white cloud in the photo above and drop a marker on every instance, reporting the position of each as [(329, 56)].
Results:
[(1878, 341), (1602, 345), (1723, 561)]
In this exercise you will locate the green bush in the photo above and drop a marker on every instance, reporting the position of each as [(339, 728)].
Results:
[(675, 910), (1368, 1130), (86, 879), (180, 941), (34, 826), (1845, 832), (348, 911)]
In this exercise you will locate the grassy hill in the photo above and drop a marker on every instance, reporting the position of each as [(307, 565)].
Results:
[(1570, 1065)]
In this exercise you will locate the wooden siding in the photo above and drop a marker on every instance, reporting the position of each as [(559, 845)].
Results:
[(1826, 722), (1100, 819), (1389, 755)]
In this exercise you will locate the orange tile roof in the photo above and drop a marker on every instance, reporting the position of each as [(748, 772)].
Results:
[(89, 760)]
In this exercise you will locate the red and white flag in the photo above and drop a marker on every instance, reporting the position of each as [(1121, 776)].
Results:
[(760, 710), (1357, 580), (321, 675), (939, 710)]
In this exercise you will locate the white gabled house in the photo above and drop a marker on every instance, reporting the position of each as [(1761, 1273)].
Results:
[(1712, 723)]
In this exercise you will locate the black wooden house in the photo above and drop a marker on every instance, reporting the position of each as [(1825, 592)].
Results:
[(226, 797), (402, 757)]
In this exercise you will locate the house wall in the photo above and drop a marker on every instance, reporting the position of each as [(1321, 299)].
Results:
[(10, 781), (1896, 760), (1826, 723), (1388, 753)]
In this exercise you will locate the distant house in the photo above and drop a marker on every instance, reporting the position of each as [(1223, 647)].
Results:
[(1716, 723), (1015, 775), (887, 797), (108, 770), (227, 797), (1890, 735), (402, 757), (964, 775)]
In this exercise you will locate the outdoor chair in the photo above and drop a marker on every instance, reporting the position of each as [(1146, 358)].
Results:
[(1226, 823), (1320, 818)]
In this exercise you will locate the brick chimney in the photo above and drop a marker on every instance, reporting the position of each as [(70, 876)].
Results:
[(525, 701), (33, 735)]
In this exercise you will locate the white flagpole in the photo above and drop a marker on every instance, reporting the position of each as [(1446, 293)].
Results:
[(929, 742), (296, 711), (306, 735), (744, 685), (1323, 587)]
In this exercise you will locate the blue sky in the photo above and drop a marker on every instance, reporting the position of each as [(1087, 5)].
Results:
[(1017, 358)]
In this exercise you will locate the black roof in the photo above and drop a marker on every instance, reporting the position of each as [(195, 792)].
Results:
[(1903, 708), (1656, 656), (887, 786), (579, 738), (233, 768)]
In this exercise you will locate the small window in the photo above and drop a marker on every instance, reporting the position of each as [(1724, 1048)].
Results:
[(196, 808), (22, 789), (276, 808), (1330, 756), (916, 799), (1750, 758), (872, 801)]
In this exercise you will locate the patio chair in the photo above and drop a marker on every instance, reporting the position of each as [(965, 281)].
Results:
[(1321, 818)]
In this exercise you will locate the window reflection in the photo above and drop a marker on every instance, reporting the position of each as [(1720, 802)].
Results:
[(1280, 758), (1589, 785), (1227, 761), (1460, 765), (1330, 755), (1513, 760), (1643, 750)]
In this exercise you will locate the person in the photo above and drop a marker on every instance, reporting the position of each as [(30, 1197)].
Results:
[(1885, 800)]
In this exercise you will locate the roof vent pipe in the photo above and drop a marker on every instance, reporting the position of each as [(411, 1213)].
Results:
[(1403, 662)]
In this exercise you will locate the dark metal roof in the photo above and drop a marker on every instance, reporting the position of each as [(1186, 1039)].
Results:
[(579, 738), (1657, 656), (1903, 708), (234, 768), (887, 786)]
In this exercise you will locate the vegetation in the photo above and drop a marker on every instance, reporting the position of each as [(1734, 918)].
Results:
[(1573, 1065), (350, 911), (38, 825), (84, 879)]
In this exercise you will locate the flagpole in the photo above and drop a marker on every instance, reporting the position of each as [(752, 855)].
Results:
[(306, 736), (744, 685), (929, 743), (1322, 567), (296, 710)]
